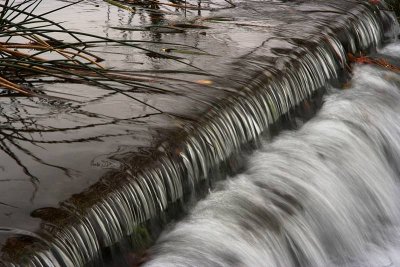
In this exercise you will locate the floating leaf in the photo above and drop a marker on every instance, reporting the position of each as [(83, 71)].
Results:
[(204, 82)]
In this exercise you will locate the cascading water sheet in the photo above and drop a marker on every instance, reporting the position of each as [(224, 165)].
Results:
[(325, 195), (104, 170)]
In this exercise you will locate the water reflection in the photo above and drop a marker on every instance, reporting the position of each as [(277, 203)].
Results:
[(26, 132), (192, 99)]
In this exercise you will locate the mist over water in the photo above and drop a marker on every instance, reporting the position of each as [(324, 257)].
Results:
[(324, 195)]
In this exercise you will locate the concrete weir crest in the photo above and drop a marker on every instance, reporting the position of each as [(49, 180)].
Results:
[(123, 208)]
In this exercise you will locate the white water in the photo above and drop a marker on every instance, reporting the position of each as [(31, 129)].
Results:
[(263, 221), (392, 50), (325, 195)]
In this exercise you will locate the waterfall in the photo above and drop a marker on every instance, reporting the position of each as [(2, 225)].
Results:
[(293, 217), (325, 195)]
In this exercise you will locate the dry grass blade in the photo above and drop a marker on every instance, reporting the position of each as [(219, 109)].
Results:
[(29, 52), (21, 35)]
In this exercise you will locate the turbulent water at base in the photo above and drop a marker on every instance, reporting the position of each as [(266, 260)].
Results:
[(325, 195)]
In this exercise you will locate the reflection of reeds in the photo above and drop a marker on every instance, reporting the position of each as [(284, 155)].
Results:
[(26, 45), (32, 52), (182, 5), (29, 51)]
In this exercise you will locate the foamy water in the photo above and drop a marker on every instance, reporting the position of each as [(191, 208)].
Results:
[(325, 195)]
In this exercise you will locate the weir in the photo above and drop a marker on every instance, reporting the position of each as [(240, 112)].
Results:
[(336, 205), (278, 81)]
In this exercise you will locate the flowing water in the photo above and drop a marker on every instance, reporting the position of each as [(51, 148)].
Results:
[(83, 180), (325, 195)]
